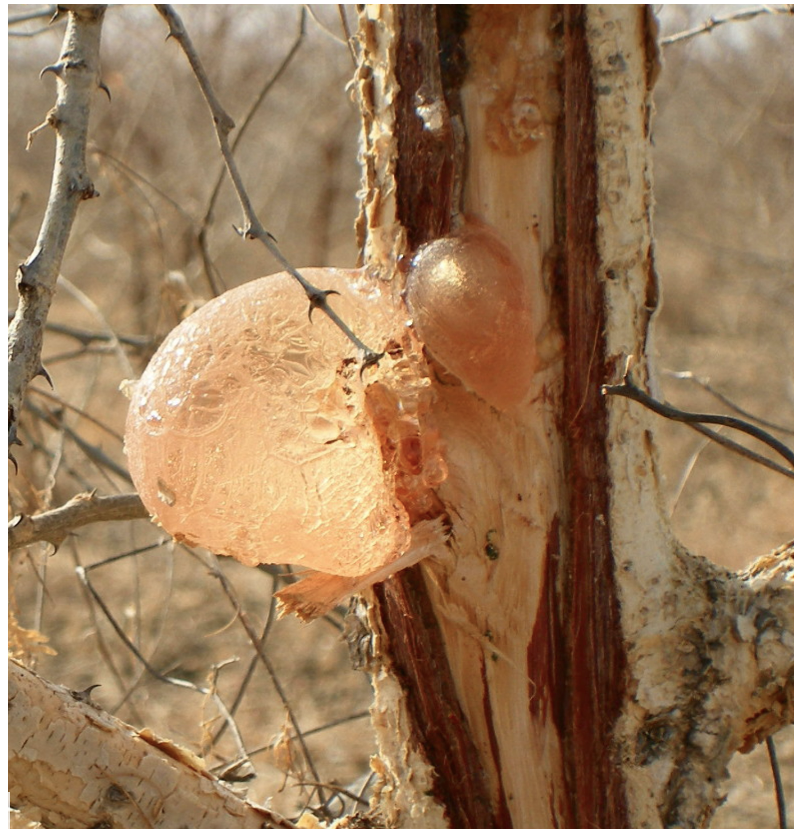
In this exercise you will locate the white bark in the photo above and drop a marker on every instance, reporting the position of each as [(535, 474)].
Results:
[(710, 652), (72, 765)]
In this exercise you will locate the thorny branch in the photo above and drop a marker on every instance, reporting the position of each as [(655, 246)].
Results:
[(252, 228), (698, 421), (77, 74), (87, 508), (252, 110), (714, 22), (209, 692)]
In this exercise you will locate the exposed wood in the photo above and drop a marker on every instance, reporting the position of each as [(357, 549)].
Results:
[(485, 599), (552, 637)]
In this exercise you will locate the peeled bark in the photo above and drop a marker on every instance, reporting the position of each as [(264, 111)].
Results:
[(569, 665)]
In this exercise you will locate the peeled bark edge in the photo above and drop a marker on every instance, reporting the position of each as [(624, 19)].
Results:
[(708, 651)]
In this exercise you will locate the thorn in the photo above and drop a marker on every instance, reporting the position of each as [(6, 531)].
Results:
[(84, 695), (43, 372), (370, 359), (318, 298), (56, 69), (102, 85)]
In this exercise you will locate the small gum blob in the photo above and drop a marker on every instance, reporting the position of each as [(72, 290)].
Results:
[(472, 308), (248, 433)]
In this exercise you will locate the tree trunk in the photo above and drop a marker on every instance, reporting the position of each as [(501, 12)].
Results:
[(570, 665)]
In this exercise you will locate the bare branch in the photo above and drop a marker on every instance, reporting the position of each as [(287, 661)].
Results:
[(260, 650), (46, 12), (86, 337), (55, 738), (713, 22), (252, 110), (252, 228), (87, 508), (94, 453), (210, 692), (696, 420), (77, 73), (705, 384)]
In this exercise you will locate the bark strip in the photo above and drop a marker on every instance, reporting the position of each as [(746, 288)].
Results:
[(592, 617), (424, 177), (419, 660)]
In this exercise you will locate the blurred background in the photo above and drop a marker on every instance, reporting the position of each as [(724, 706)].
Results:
[(723, 151)]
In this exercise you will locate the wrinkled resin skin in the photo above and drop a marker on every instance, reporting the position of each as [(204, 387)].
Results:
[(249, 434)]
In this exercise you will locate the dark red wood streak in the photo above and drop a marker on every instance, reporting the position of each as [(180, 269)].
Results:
[(548, 668), (417, 654), (597, 666), (426, 165), (419, 661)]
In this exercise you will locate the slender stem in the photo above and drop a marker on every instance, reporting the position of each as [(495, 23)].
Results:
[(252, 229), (780, 798), (713, 22), (83, 576), (706, 386), (629, 390), (271, 671)]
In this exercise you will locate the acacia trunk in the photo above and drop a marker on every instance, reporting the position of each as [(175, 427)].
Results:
[(530, 681)]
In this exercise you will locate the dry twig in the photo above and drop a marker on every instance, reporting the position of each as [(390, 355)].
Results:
[(77, 73), (87, 508), (705, 384), (698, 422), (258, 645), (208, 264), (252, 228), (713, 22)]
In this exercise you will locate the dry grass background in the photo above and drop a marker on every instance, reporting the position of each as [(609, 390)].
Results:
[(724, 219)]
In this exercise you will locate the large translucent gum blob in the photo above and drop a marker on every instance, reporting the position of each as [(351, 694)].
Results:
[(249, 432), (472, 308)]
